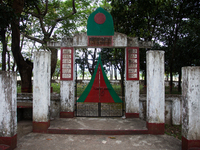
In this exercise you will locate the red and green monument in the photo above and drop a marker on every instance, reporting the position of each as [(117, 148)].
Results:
[(99, 89)]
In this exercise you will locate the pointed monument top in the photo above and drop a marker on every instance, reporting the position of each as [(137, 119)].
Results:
[(100, 23)]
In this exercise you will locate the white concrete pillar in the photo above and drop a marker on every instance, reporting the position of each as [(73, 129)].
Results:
[(132, 99), (41, 91), (8, 108), (155, 92), (190, 107), (67, 91), (176, 112), (132, 90), (67, 99)]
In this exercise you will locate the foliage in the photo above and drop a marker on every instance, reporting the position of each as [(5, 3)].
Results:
[(56, 87), (87, 59), (175, 24), (57, 70)]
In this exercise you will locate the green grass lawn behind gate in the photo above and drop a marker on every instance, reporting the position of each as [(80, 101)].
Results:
[(81, 87)]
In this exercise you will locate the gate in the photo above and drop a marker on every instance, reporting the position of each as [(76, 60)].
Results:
[(99, 97)]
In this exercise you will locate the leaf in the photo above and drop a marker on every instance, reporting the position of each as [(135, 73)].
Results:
[(49, 139), (112, 137)]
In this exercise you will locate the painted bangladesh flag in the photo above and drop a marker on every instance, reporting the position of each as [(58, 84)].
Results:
[(99, 89)]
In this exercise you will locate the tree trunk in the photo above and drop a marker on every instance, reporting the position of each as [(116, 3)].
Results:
[(83, 73), (13, 67), (54, 55), (24, 67), (26, 75), (179, 81), (115, 72), (122, 76), (111, 72), (171, 80), (122, 85), (8, 60), (3, 40)]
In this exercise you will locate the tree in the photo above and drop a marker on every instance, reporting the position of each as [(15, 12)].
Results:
[(47, 17), (48, 14), (163, 21), (57, 70), (178, 15), (84, 60), (24, 66), (7, 15), (116, 57), (138, 19)]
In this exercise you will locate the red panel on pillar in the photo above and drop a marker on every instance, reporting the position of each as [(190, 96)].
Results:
[(132, 63), (66, 114), (190, 144), (10, 141), (41, 127), (66, 63), (156, 128)]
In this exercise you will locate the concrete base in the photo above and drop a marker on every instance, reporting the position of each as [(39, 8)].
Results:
[(96, 132), (41, 127), (9, 141), (98, 126), (190, 144), (31, 141), (66, 114), (156, 128), (132, 115)]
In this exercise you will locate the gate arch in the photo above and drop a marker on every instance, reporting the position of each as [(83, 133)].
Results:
[(99, 37)]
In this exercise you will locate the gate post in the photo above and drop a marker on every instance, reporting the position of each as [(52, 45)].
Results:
[(132, 82), (132, 99), (41, 91), (155, 92), (67, 99), (191, 107), (67, 82), (8, 108)]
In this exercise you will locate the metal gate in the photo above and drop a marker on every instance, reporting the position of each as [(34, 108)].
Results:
[(99, 98)]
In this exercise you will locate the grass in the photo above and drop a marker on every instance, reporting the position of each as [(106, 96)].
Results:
[(18, 89), (81, 87), (174, 90), (56, 87), (173, 130)]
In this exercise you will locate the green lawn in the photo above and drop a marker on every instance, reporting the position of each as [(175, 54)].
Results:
[(81, 87)]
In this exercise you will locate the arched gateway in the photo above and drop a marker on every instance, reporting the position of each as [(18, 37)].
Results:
[(100, 34), (96, 37)]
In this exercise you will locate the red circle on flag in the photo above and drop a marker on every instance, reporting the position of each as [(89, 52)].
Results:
[(99, 18)]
